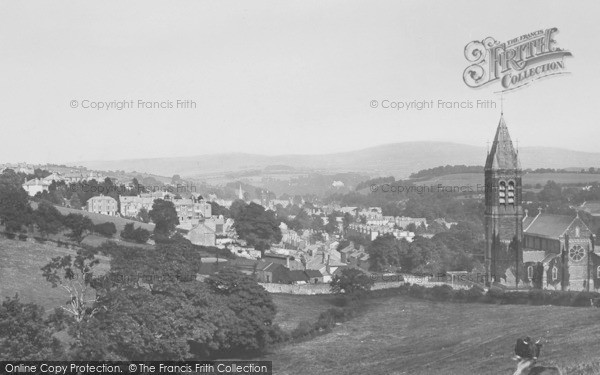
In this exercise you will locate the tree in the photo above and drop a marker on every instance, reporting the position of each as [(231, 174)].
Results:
[(551, 192), (351, 282), (24, 334), (139, 234), (257, 226), (14, 202), (331, 226), (107, 229), (143, 215), (75, 202), (236, 208), (218, 210), (47, 219), (253, 306), (164, 216), (386, 251), (75, 275), (80, 226)]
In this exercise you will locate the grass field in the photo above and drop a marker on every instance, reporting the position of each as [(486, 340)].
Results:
[(20, 264), (405, 336), (476, 179), (292, 309)]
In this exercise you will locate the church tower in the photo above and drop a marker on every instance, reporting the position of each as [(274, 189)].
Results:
[(503, 210)]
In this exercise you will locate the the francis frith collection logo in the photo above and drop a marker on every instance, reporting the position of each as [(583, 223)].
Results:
[(514, 63)]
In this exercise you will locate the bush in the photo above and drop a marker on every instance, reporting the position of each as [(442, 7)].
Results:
[(535, 297), (417, 291), (442, 293), (23, 237), (304, 329), (139, 235), (105, 229)]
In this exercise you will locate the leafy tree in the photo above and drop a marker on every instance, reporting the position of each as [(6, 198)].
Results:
[(218, 210), (253, 306), (236, 208), (331, 226), (143, 215), (351, 282), (302, 221), (75, 202), (75, 276), (257, 226), (107, 229), (385, 252), (551, 192), (47, 219), (164, 216), (14, 202), (80, 226), (24, 334), (139, 234)]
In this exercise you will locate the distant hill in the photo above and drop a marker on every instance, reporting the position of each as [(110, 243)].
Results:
[(398, 159)]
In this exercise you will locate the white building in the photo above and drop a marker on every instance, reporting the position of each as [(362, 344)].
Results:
[(32, 187), (102, 204)]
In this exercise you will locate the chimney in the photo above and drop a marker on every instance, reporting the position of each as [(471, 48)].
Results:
[(287, 262), (323, 257), (327, 268), (526, 212)]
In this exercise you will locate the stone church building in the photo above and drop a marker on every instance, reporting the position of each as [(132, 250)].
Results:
[(543, 250)]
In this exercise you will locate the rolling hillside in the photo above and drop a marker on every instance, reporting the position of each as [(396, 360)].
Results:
[(398, 159), (404, 336)]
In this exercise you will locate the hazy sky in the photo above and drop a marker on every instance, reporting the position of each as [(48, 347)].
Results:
[(275, 77)]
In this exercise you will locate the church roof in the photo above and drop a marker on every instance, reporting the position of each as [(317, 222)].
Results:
[(502, 155), (547, 225)]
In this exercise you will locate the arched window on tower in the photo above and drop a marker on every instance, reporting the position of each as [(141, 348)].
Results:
[(511, 193), (530, 272), (502, 193), (598, 272), (554, 273)]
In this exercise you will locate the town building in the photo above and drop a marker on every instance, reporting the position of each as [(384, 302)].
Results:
[(102, 204), (32, 187), (202, 235)]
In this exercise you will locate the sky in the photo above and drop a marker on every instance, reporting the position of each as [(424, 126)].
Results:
[(277, 77)]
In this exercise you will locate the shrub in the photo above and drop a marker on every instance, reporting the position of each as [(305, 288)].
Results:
[(107, 229), (40, 239), (23, 237), (417, 291), (139, 235), (442, 292), (304, 329)]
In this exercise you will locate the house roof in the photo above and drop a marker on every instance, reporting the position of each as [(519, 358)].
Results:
[(533, 256), (264, 266), (202, 229), (527, 220), (37, 182), (313, 273), (244, 263), (549, 257), (297, 275), (547, 225)]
